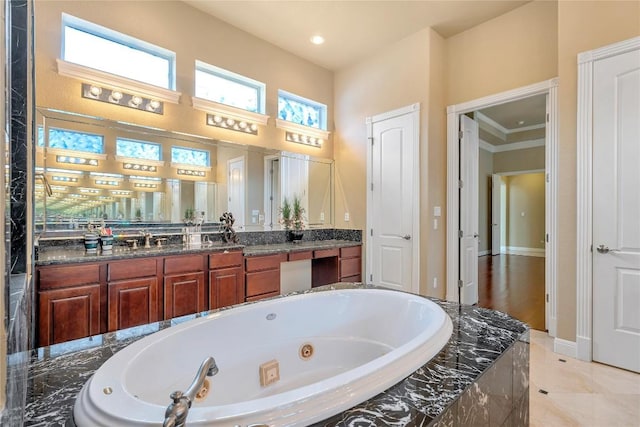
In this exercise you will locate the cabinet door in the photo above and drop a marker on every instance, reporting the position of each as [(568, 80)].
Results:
[(132, 302), (184, 294), (226, 287), (68, 314)]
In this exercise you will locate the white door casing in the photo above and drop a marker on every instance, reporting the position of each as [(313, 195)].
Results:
[(496, 214), (469, 153), (393, 200), (549, 87), (586, 250), (235, 190), (616, 210)]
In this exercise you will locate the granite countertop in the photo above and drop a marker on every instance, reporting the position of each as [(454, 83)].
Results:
[(62, 255), (480, 336)]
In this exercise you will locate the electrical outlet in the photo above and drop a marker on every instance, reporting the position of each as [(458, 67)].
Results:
[(435, 282), (346, 216), (321, 216), (435, 223)]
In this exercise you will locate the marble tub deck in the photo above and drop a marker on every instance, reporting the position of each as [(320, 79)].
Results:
[(480, 377)]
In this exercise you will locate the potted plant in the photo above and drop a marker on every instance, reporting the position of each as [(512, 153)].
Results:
[(189, 216), (138, 214), (292, 218)]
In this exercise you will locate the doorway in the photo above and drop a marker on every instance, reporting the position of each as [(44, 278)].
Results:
[(235, 190), (548, 92)]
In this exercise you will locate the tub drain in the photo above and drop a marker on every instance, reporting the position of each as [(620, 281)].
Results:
[(204, 391), (306, 351)]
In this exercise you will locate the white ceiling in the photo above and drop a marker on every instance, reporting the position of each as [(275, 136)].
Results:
[(531, 111), (353, 29)]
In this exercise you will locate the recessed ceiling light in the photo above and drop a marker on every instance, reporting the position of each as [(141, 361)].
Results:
[(317, 39)]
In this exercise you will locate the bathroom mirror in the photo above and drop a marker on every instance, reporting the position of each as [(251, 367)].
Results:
[(94, 170)]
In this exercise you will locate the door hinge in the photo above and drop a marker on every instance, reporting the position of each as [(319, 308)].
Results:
[(460, 134), (372, 186), (460, 234), (547, 297), (372, 232), (370, 139), (547, 117), (546, 237), (371, 278), (548, 178), (460, 284), (460, 183)]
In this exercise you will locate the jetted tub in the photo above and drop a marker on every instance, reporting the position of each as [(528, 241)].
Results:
[(362, 342)]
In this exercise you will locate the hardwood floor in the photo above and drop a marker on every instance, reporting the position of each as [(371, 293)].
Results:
[(513, 284)]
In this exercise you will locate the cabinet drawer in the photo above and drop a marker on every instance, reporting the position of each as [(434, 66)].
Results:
[(68, 275), (297, 256), (131, 269), (325, 253), (262, 282), (225, 259), (350, 266), (268, 262), (183, 264), (351, 252)]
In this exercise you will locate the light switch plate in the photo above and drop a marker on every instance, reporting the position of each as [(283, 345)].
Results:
[(346, 216)]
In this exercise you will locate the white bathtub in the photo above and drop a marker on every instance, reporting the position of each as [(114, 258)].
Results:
[(364, 340)]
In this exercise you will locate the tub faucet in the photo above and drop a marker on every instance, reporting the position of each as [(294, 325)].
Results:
[(177, 411)]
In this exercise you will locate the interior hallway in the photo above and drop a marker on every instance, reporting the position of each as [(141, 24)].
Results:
[(513, 284)]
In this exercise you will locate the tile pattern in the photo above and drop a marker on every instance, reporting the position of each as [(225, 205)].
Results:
[(484, 349), (579, 393)]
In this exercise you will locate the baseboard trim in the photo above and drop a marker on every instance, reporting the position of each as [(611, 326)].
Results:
[(518, 250), (483, 253), (583, 348), (564, 347)]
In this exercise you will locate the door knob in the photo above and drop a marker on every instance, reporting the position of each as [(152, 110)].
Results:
[(475, 235), (407, 237), (605, 249)]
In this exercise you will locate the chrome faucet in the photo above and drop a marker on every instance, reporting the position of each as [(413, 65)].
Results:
[(147, 239), (177, 411)]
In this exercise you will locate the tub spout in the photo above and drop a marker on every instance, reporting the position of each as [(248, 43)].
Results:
[(177, 411)]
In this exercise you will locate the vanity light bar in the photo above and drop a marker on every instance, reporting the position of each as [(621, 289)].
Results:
[(143, 185), (77, 160), (120, 193), (190, 172), (219, 121), (89, 190), (107, 182), (64, 179), (139, 167), (303, 139), (113, 96)]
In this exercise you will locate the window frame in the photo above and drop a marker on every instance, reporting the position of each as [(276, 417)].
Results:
[(310, 102), (181, 147), (258, 86), (121, 39)]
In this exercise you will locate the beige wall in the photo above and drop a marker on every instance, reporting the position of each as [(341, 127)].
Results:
[(485, 174), (528, 159), (410, 71), (510, 51), (192, 35), (525, 210), (582, 26)]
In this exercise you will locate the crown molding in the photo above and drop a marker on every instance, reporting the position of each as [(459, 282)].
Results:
[(511, 147)]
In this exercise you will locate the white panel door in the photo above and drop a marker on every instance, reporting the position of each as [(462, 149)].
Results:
[(235, 190), (469, 146), (616, 211), (496, 213), (393, 193)]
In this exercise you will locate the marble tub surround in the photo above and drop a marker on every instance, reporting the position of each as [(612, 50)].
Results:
[(479, 377)]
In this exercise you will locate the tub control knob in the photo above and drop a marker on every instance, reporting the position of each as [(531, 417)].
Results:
[(176, 396)]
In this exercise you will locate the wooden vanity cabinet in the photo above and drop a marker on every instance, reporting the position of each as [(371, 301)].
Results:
[(132, 292), (184, 285), (351, 264), (226, 279), (262, 276), (69, 302)]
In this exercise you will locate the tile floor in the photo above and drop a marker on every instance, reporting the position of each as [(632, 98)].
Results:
[(579, 393)]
